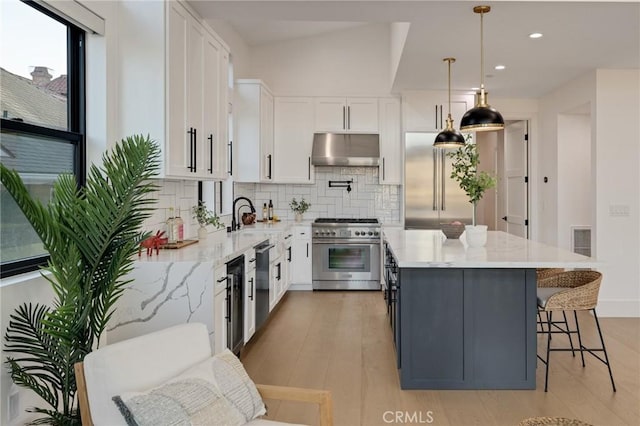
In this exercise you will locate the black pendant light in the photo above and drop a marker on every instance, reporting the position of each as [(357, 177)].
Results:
[(482, 117), (449, 137)]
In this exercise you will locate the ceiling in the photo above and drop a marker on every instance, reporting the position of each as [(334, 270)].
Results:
[(578, 36)]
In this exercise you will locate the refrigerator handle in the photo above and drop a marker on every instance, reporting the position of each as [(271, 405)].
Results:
[(435, 178), (442, 185)]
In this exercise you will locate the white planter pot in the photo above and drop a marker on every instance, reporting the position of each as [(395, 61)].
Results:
[(298, 217), (476, 235), (203, 234)]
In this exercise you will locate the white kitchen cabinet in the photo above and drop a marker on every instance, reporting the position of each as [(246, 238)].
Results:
[(220, 308), (357, 115), (289, 259), (253, 154), (293, 139), (390, 169), (249, 294), (427, 110), (169, 84), (275, 283), (301, 263)]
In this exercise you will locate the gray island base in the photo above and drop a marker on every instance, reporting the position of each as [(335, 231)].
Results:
[(467, 317)]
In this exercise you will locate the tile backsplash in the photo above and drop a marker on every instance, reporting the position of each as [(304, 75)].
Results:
[(179, 194), (367, 197)]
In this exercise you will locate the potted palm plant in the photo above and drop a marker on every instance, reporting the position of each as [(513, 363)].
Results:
[(474, 183), (91, 235)]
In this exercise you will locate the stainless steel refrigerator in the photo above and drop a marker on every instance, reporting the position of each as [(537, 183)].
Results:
[(431, 196)]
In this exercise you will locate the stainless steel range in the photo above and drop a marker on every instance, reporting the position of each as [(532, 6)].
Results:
[(346, 254)]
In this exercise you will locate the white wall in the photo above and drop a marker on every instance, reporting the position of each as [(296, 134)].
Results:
[(575, 195), (617, 168), (350, 62), (240, 54)]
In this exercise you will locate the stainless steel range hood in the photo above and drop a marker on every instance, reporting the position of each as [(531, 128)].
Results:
[(345, 149)]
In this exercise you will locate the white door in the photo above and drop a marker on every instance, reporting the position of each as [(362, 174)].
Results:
[(362, 115), (293, 140), (515, 179), (330, 114)]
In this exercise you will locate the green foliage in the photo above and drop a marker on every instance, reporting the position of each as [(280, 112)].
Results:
[(299, 207), (91, 235), (465, 171), (205, 216)]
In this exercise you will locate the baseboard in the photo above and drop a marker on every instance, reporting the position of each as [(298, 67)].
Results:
[(618, 308), (300, 287)]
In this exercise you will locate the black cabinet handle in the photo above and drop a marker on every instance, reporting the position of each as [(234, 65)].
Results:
[(269, 158), (279, 274), (383, 170), (307, 249), (190, 132), (344, 117), (436, 122), (195, 150), (348, 117), (222, 279), (228, 299), (504, 218), (289, 250), (252, 260), (251, 292), (309, 168), (288, 236), (230, 145), (210, 138)]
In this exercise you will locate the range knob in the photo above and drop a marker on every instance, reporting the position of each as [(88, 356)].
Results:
[(376, 233), (357, 233), (333, 232), (370, 233), (317, 232)]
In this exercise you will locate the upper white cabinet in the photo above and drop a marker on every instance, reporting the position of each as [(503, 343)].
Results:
[(358, 115), (253, 154), (390, 169), (293, 139), (172, 86), (427, 111)]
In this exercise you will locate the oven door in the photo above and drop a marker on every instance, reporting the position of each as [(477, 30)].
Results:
[(345, 261)]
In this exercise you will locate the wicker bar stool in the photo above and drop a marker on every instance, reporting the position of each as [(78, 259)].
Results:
[(571, 291), (542, 273)]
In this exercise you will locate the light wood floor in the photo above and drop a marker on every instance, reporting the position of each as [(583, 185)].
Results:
[(342, 341)]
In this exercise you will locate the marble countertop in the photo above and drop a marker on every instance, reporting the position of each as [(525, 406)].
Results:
[(431, 249), (221, 246)]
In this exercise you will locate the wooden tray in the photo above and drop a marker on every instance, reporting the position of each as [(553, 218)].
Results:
[(266, 221), (178, 245)]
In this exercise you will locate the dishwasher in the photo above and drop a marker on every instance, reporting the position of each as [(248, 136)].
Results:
[(262, 282), (235, 305)]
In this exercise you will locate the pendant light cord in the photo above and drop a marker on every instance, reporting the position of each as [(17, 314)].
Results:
[(481, 50), (449, 61)]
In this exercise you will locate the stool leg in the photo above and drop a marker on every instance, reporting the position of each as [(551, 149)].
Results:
[(566, 324), (546, 371), (575, 316), (606, 357)]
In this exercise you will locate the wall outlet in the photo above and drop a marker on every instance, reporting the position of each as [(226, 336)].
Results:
[(13, 410)]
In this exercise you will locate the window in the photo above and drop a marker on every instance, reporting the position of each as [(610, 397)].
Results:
[(42, 118)]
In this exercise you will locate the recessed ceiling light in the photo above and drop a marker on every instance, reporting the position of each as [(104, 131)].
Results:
[(535, 35), (500, 67)]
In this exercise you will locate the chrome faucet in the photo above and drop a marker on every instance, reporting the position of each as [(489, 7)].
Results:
[(234, 223)]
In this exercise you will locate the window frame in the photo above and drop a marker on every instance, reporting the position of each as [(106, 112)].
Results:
[(76, 124)]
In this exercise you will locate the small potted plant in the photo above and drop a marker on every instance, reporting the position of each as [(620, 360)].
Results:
[(205, 217), (474, 183), (299, 208)]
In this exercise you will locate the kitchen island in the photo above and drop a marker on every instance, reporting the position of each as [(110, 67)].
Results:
[(465, 318)]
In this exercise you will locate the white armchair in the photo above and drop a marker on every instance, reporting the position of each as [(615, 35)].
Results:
[(146, 362)]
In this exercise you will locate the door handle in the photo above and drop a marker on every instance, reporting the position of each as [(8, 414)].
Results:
[(383, 171), (349, 117), (190, 132), (279, 274), (307, 249), (210, 138), (436, 121), (344, 117), (289, 258), (309, 168), (195, 150), (251, 292), (504, 218), (269, 159)]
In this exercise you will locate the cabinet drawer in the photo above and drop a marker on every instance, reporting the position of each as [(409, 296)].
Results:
[(220, 278)]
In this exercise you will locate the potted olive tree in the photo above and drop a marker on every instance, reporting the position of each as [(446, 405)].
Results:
[(299, 208), (205, 217), (474, 183), (91, 235)]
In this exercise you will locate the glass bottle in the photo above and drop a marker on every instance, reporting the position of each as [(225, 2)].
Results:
[(265, 215), (171, 228), (270, 211), (179, 224)]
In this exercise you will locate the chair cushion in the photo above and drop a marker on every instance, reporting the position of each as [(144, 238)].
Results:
[(545, 293), (140, 364)]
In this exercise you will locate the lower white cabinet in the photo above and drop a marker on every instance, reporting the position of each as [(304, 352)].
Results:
[(301, 248), (249, 306), (220, 308)]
